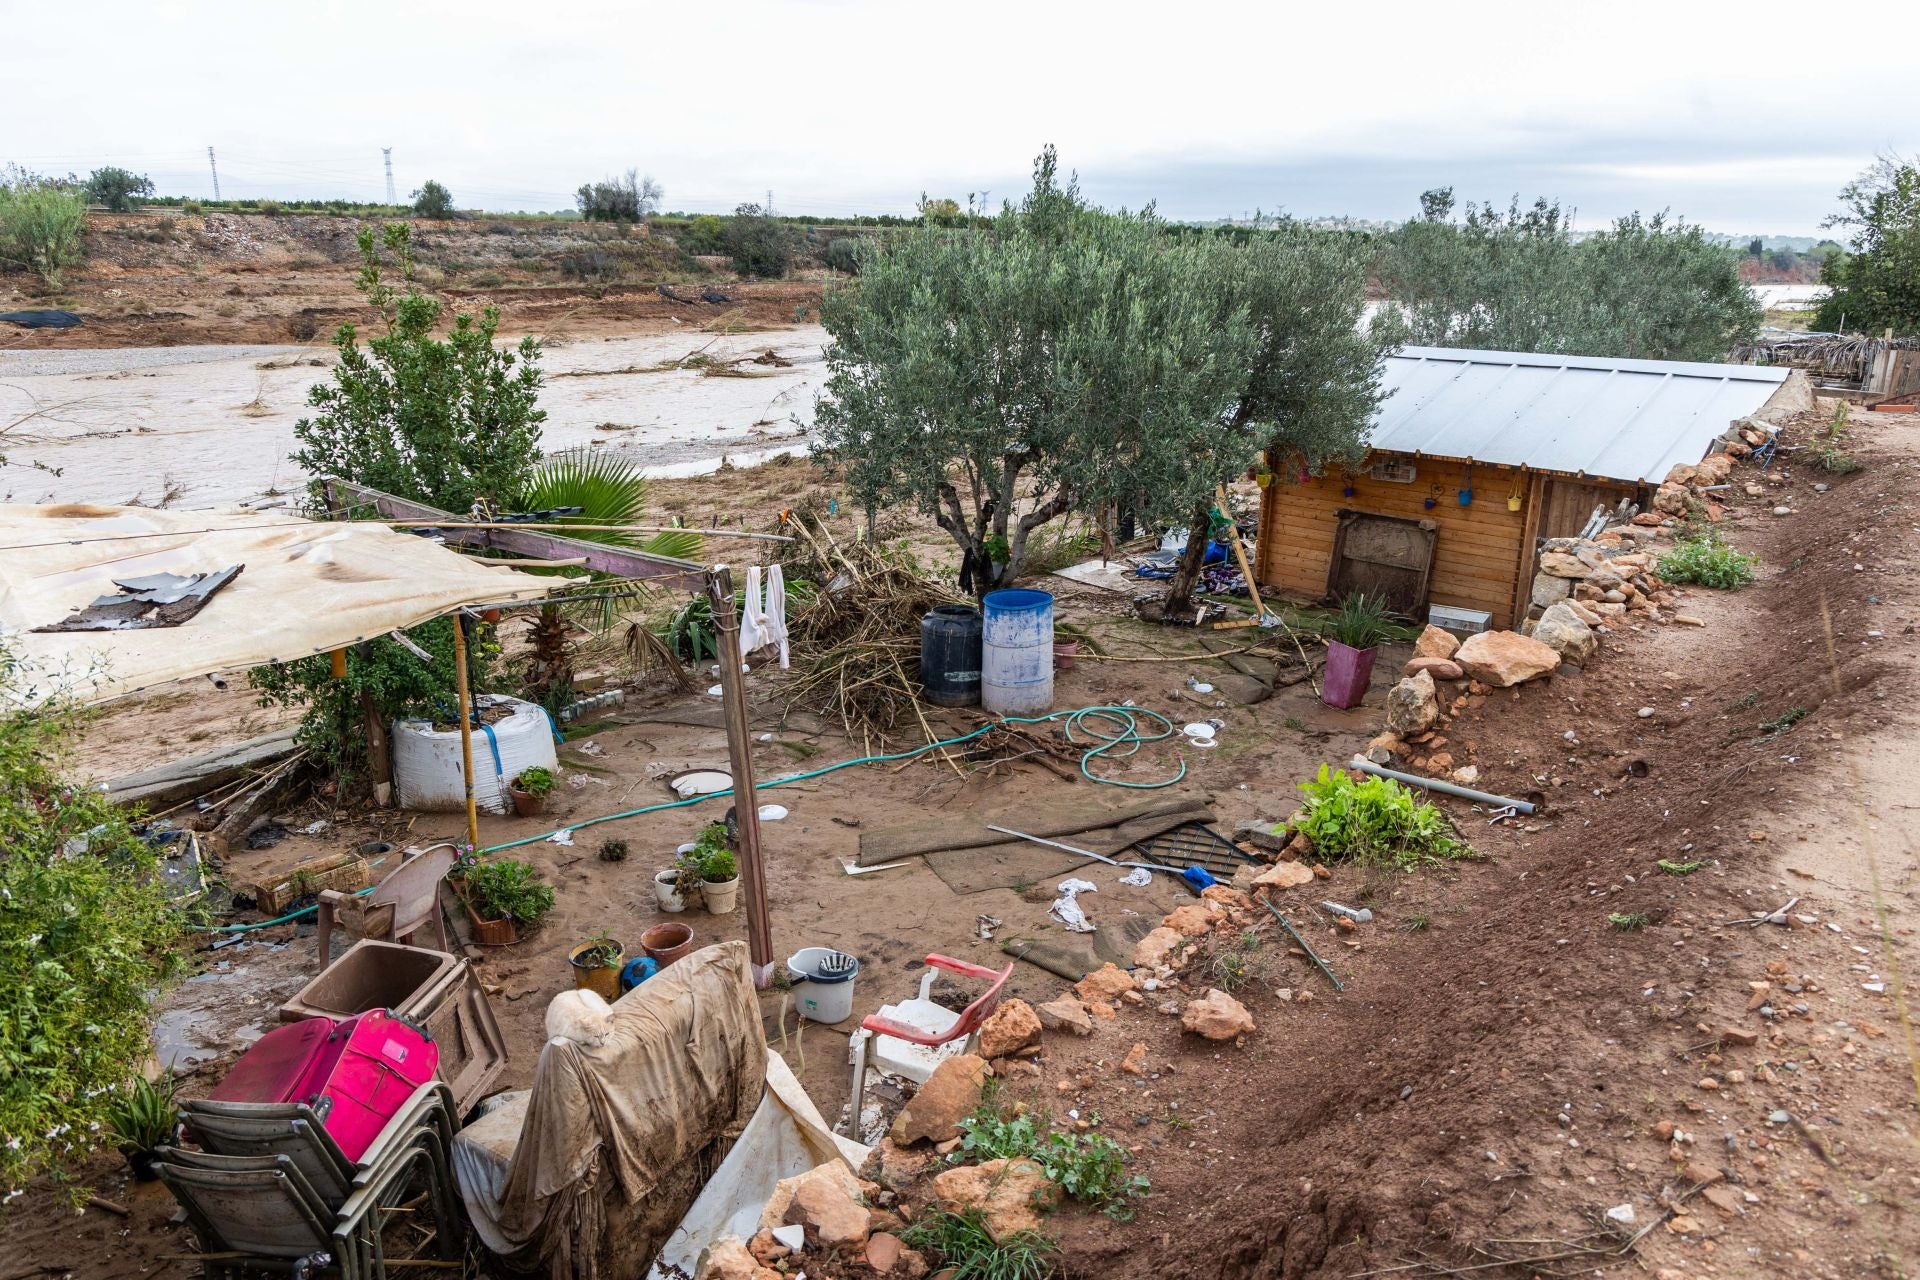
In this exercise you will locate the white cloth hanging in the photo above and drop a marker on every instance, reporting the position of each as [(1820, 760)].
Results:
[(773, 618), (763, 616), (752, 610)]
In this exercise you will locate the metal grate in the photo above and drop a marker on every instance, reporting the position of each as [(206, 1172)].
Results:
[(1194, 844)]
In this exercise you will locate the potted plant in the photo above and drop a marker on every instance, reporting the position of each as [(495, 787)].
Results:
[(529, 789), (141, 1121), (1066, 647), (596, 967), (712, 859), (1353, 633), (503, 898)]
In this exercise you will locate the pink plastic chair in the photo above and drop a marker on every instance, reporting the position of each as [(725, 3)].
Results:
[(970, 1018)]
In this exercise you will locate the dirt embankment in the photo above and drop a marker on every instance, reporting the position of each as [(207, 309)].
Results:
[(162, 278)]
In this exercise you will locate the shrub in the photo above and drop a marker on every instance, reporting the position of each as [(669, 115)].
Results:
[(487, 280), (1375, 822), (191, 207), (1704, 560), (118, 189), (86, 938), (302, 326), (1361, 622), (1831, 460), (41, 220), (614, 850), (535, 781), (143, 1115), (631, 198), (705, 234), (433, 201), (1090, 1167), (843, 255), (508, 890), (759, 244), (591, 265)]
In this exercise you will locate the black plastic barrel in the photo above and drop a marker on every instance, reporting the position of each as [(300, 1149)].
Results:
[(950, 655)]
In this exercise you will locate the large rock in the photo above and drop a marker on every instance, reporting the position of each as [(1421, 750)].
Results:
[(1152, 951), (728, 1258), (1561, 564), (1193, 919), (1435, 642), (1109, 982), (831, 1216), (1216, 1016), (847, 1183), (1413, 705), (1549, 589), (1504, 658), (1282, 875), (1567, 633), (948, 1097), (1008, 1194), (1065, 1014), (1009, 1029), (1438, 668)]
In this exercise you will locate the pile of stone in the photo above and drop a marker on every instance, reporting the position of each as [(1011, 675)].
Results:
[(826, 1212), (1445, 677)]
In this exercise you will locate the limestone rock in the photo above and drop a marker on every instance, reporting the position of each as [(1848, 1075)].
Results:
[(1009, 1029), (1550, 589), (1106, 983), (1065, 1014), (831, 1216), (1216, 1016), (1504, 658), (896, 1167), (1435, 642), (949, 1096), (1135, 1063), (1438, 668), (785, 1191), (883, 1252), (1283, 875), (728, 1258), (1561, 564), (1193, 919), (1413, 705), (1152, 951), (1008, 1194), (1567, 633)]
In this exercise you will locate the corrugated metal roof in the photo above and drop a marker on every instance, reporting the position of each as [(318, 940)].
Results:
[(1580, 415)]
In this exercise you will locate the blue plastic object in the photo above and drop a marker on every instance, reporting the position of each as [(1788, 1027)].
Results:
[(637, 971), (1199, 878)]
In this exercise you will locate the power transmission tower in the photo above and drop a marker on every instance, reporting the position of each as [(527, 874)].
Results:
[(216, 173), (769, 202), (392, 196)]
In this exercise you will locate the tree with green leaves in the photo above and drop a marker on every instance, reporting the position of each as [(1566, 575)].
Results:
[(1517, 280), (433, 200), (1877, 285), (760, 244), (41, 222), (120, 190), (86, 937), (447, 421), (627, 198)]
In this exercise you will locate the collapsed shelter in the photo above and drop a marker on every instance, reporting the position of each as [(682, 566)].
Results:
[(1476, 456)]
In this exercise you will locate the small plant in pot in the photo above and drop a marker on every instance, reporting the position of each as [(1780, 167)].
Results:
[(712, 858), (141, 1121), (530, 789), (596, 967), (504, 899), (1353, 633)]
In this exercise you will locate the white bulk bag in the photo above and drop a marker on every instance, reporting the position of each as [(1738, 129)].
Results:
[(427, 776)]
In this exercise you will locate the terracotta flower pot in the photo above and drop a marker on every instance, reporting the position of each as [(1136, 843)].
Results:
[(526, 804), (667, 942), (490, 933)]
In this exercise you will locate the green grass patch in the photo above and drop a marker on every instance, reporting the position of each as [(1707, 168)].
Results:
[(1703, 560), (1673, 868), (1626, 923), (966, 1250), (1784, 721), (1375, 822)]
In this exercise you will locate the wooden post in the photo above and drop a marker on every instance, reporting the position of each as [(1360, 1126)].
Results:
[(746, 808), (466, 726), (1240, 553)]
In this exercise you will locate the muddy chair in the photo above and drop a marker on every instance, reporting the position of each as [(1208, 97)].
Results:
[(913, 1037), (404, 903)]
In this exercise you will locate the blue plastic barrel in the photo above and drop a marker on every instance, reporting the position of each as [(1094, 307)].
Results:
[(1016, 653)]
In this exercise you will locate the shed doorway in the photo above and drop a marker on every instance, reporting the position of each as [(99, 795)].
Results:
[(1386, 557)]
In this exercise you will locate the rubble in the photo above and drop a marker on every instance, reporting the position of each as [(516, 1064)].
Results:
[(1413, 704), (1152, 951), (1009, 1029), (1506, 658), (728, 1258), (1563, 630), (1065, 1014), (1436, 642), (1008, 1194), (831, 1216), (1216, 1016), (948, 1097), (1105, 984)]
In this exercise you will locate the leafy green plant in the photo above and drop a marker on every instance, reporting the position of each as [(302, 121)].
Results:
[(1092, 1168), (1361, 621), (142, 1115), (1628, 923), (86, 940), (760, 244), (1704, 560), (433, 200), (967, 1250), (614, 850), (118, 189), (1783, 722), (535, 780), (990, 1134), (1375, 822), (690, 633), (1831, 460), (1673, 868), (41, 220), (507, 889), (711, 858), (601, 952)]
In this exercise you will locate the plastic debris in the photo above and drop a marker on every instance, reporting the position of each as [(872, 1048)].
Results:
[(1066, 909)]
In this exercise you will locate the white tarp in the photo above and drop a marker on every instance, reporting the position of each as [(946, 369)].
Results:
[(307, 588)]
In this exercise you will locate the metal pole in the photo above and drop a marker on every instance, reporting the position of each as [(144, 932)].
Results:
[(1365, 765), (466, 725), (1295, 935), (746, 808)]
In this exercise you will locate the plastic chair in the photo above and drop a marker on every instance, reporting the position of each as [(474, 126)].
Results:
[(959, 1030), (398, 907), (260, 1213)]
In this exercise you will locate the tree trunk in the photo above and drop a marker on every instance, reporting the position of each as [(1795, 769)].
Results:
[(1187, 573)]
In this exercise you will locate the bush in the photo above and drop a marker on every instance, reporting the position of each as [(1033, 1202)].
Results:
[(705, 234), (1375, 822), (1704, 560), (759, 244), (1090, 1167), (508, 890), (120, 190), (41, 220), (843, 255), (593, 266), (433, 201), (86, 938), (625, 199)]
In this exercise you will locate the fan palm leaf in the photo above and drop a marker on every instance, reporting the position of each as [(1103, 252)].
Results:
[(609, 490)]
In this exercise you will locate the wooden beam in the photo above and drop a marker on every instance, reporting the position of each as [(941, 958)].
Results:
[(1529, 531), (746, 806), (621, 562)]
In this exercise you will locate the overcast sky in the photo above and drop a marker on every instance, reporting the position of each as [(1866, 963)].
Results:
[(1745, 117)]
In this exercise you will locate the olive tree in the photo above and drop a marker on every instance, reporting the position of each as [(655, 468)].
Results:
[(1877, 286)]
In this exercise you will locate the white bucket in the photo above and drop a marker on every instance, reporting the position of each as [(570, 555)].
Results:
[(827, 999)]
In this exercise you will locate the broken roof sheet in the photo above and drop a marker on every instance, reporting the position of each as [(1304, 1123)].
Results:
[(308, 588), (1579, 415)]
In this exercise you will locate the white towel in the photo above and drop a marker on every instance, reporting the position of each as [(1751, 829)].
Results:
[(752, 611), (773, 618)]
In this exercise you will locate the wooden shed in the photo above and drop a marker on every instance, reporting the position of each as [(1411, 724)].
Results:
[(1476, 456)]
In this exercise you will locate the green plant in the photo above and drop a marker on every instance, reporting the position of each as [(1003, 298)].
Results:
[(41, 220), (535, 780), (1375, 822), (1235, 964), (1673, 868), (704, 234), (629, 198), (711, 857), (87, 939), (1417, 923), (690, 634), (433, 200), (118, 189), (1628, 923), (600, 952), (968, 1251), (142, 1115), (990, 1134), (614, 850), (1360, 622), (1706, 561), (1783, 722), (759, 244), (1092, 1168), (507, 889), (1831, 460), (1877, 284)]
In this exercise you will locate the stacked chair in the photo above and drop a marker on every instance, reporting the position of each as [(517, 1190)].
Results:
[(272, 1190)]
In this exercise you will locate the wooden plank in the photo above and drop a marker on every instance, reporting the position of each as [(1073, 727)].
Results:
[(621, 562), (182, 779), (1529, 533)]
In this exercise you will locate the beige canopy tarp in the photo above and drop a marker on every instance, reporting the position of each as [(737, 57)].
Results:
[(307, 587)]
